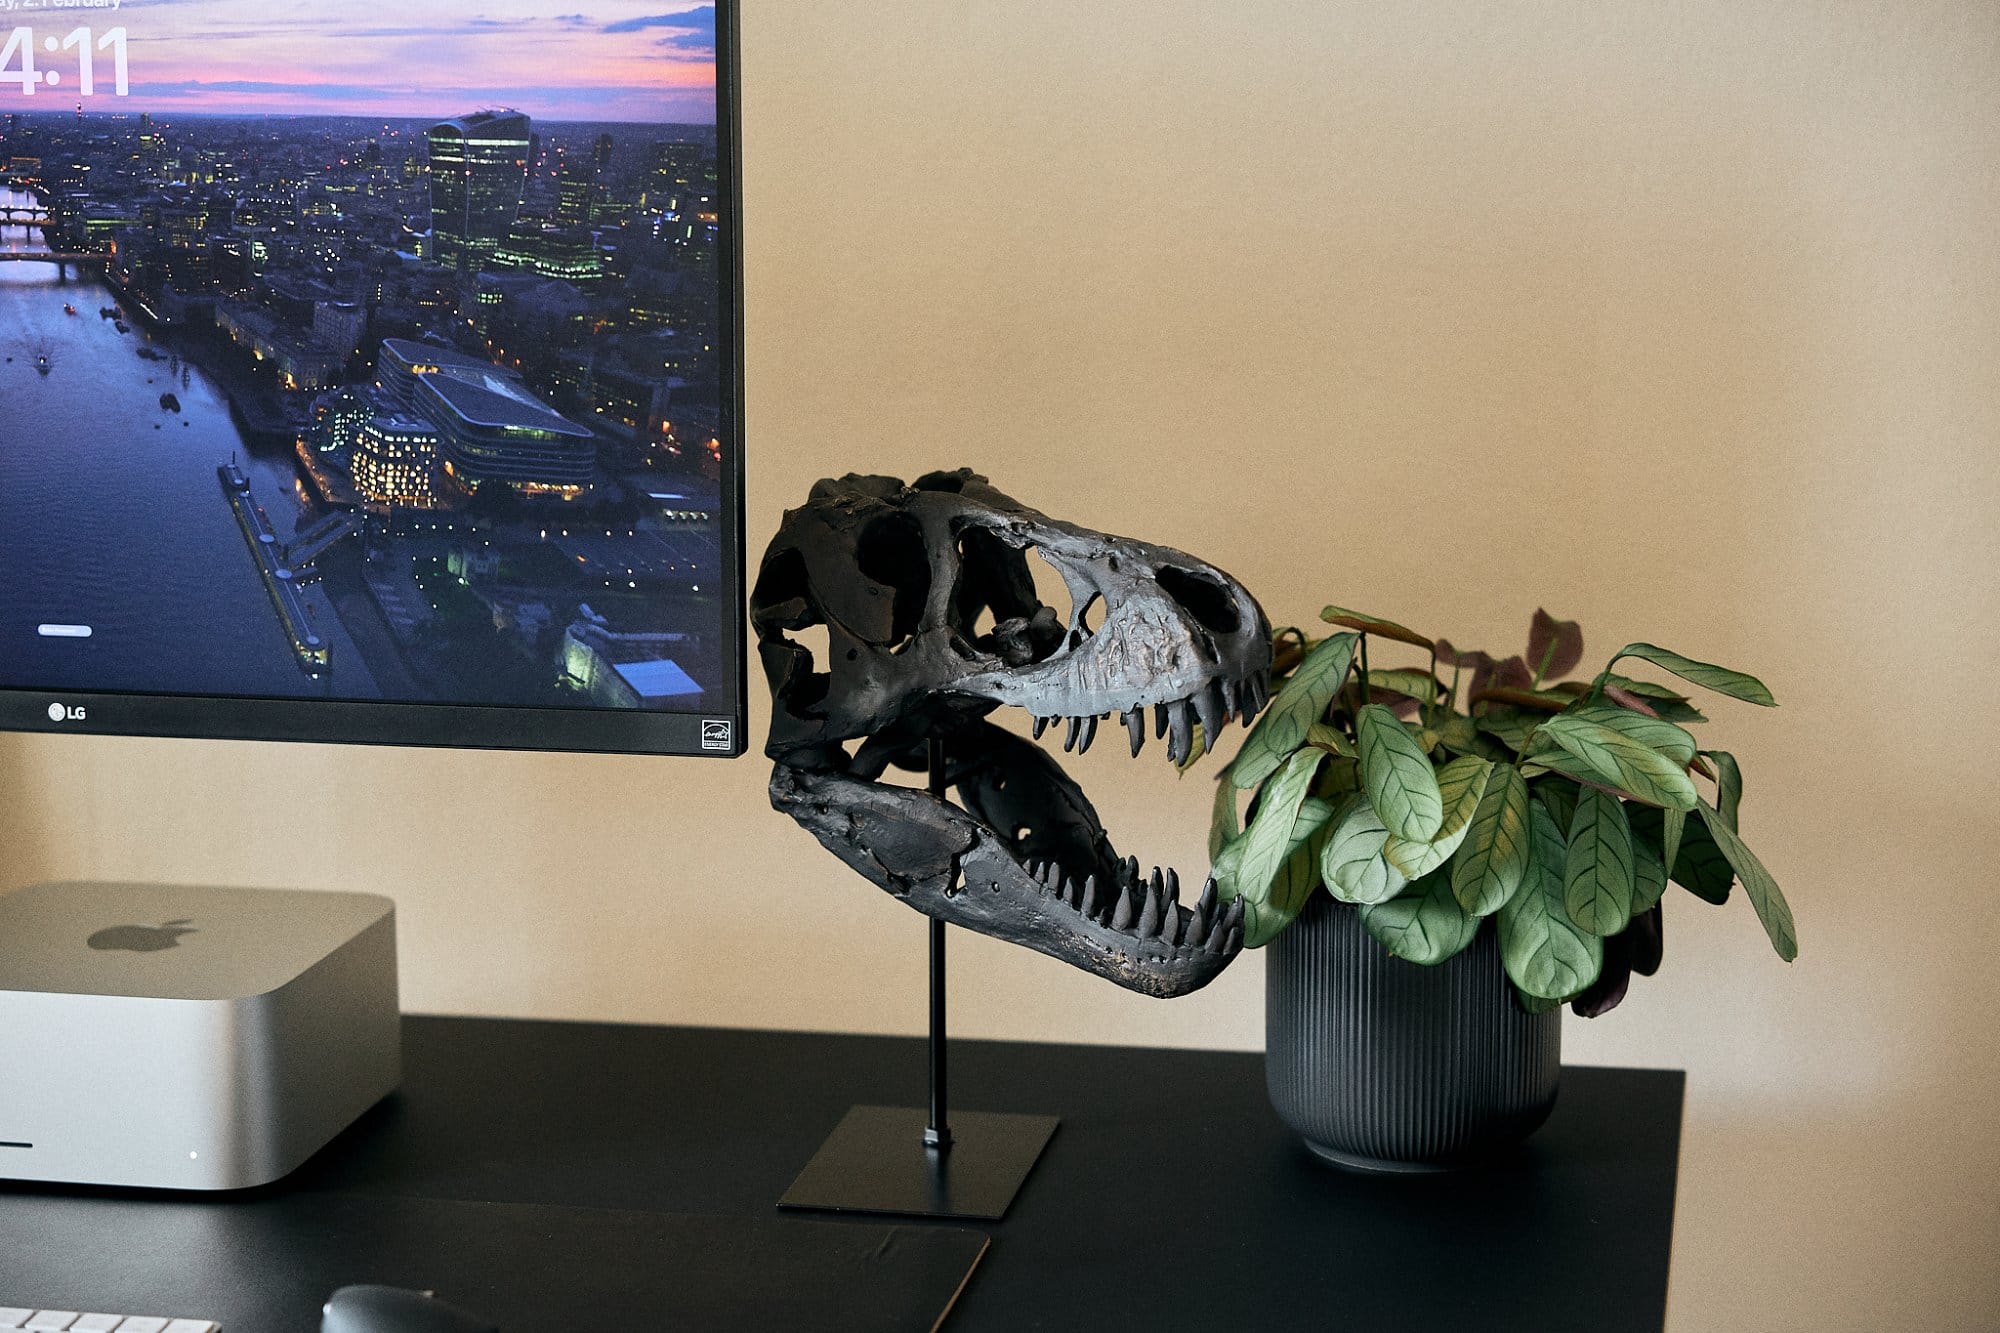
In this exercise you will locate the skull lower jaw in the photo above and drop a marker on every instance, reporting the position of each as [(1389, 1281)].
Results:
[(1085, 907)]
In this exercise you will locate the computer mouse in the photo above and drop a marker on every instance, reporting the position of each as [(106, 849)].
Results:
[(393, 1310)]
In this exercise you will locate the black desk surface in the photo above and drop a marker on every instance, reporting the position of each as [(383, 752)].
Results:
[(1170, 1198)]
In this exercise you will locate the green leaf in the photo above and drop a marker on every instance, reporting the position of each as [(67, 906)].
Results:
[(1386, 629), (1222, 818), (1293, 711), (1352, 864), (1558, 796), (1223, 868), (1494, 857), (1598, 872), (1460, 735), (1196, 750), (1649, 879), (1699, 865), (1735, 684), (1460, 785), (1616, 760), (1329, 739), (1671, 828), (1397, 775), (1423, 924), (1509, 726), (1545, 953), (1296, 880), (1340, 777), (1772, 909), (1653, 732), (1419, 685), (1728, 786), (1268, 840)]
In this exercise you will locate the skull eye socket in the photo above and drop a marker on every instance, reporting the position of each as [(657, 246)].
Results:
[(1010, 602), (891, 552), (792, 636), (1203, 597)]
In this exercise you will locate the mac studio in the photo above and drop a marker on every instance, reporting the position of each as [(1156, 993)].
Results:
[(258, 1024)]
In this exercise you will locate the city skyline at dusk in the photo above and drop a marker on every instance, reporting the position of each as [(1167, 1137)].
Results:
[(640, 61), (401, 365)]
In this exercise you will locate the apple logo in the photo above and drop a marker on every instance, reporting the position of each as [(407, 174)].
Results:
[(141, 939)]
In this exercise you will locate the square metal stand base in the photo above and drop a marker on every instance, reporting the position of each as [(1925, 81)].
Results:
[(875, 1161)]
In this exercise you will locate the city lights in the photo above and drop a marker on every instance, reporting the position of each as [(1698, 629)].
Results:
[(429, 376)]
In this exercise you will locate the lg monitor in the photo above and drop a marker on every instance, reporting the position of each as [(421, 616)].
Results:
[(372, 376)]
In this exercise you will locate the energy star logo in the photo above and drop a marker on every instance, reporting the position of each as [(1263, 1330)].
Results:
[(64, 713), (716, 734)]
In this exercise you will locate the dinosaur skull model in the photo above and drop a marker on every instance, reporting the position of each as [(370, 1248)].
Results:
[(931, 622)]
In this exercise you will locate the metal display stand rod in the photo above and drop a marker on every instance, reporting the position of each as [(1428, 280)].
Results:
[(915, 1162)]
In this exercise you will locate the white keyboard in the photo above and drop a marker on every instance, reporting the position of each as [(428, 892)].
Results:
[(75, 1321)]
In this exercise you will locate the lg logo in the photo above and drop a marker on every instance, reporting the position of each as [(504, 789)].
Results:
[(64, 713)]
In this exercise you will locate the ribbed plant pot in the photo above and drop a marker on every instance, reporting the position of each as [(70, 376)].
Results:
[(1385, 1065)]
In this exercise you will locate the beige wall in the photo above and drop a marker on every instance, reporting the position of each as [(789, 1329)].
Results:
[(1678, 318)]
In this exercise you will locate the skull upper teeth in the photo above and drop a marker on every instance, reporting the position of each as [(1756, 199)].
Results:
[(1213, 706)]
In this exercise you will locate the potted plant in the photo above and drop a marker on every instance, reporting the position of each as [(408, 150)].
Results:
[(1443, 854)]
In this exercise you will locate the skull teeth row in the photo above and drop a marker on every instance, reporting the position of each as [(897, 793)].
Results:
[(1214, 705), (1147, 908)]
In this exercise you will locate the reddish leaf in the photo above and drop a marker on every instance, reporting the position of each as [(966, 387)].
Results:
[(1513, 674), (1402, 705), (1447, 655), (1554, 646), (1609, 988), (1648, 932), (1521, 698), (1627, 699), (1386, 629)]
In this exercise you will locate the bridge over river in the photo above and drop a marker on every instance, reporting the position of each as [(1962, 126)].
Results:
[(62, 259)]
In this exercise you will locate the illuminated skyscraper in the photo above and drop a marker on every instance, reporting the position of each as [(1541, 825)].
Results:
[(674, 175), (479, 168)]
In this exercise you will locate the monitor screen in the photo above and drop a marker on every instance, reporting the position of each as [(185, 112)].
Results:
[(371, 374)]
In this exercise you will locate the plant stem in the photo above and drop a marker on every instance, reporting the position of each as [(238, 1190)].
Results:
[(1367, 690), (1542, 667), (1431, 708)]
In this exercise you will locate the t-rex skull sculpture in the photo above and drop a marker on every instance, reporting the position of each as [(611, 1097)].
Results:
[(900, 577)]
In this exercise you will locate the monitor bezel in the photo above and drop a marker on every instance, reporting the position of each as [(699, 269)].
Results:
[(473, 726)]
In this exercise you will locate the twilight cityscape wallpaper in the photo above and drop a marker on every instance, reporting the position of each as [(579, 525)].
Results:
[(363, 355)]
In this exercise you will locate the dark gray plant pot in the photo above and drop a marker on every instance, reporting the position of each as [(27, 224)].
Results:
[(1384, 1065)]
